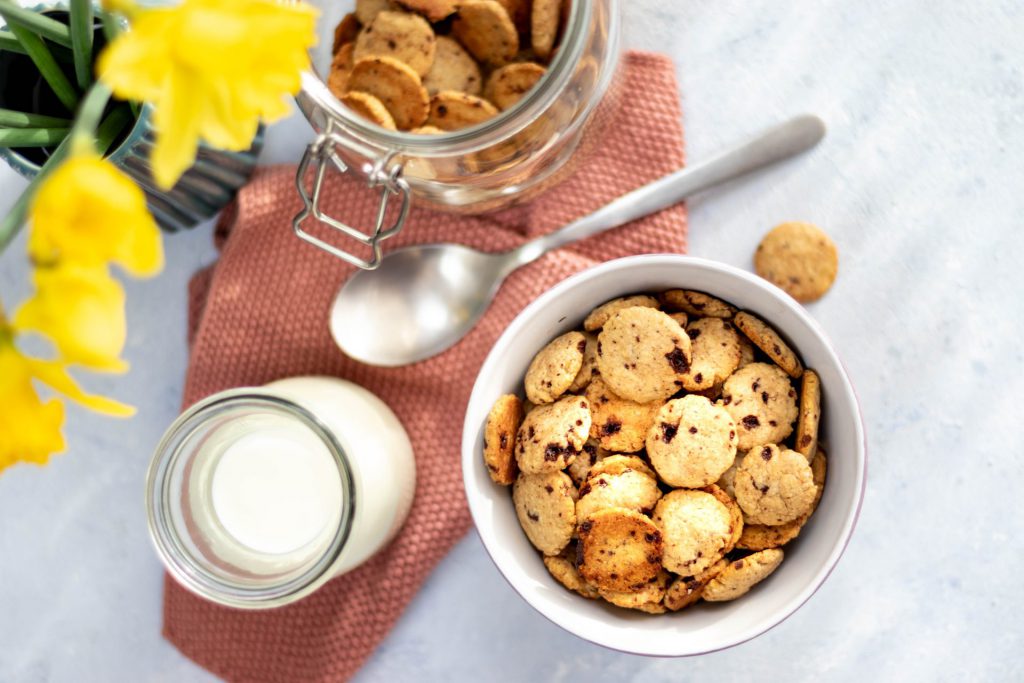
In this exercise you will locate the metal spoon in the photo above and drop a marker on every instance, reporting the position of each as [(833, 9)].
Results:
[(423, 299)]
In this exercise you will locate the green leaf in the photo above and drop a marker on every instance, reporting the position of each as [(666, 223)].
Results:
[(15, 218), (111, 25), (35, 22), (112, 127), (32, 137), (9, 43), (18, 119), (44, 61), (81, 41)]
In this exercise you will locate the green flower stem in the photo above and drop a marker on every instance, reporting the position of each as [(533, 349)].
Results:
[(35, 22), (111, 25), (17, 119), (12, 223), (81, 41), (31, 137), (9, 43), (112, 126), (45, 62), (90, 112)]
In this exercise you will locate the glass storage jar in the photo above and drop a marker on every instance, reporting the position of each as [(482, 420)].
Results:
[(507, 159)]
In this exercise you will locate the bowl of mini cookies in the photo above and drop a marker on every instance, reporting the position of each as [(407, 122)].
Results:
[(664, 455)]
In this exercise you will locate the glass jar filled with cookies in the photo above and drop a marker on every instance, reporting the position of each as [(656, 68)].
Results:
[(465, 106)]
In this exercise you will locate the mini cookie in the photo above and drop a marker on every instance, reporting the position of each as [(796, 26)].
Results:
[(564, 571), (600, 315), (686, 590), (619, 424), (453, 69), (507, 85), (554, 368), (546, 509), (367, 10), (500, 439), (396, 85), (727, 481), (345, 32), (810, 414), (404, 36), (769, 341), (589, 367), (552, 434), (799, 258), (369, 107), (736, 577), (341, 69), (519, 12), (762, 402), (715, 353), (680, 318), (692, 442), (451, 110), (697, 528), (630, 489), (735, 514), (642, 354), (434, 10), (544, 26), (774, 486), (617, 464), (588, 456), (651, 594), (485, 29), (618, 550), (762, 536), (697, 303)]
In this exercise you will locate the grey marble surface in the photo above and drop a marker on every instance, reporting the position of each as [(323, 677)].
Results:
[(920, 182)]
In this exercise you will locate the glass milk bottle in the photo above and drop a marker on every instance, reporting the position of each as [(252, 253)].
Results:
[(257, 497)]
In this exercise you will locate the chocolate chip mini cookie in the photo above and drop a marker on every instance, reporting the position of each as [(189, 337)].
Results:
[(600, 315), (546, 507), (551, 435), (553, 370), (810, 414), (798, 258), (737, 577), (589, 367), (691, 442), (453, 69), (619, 424), (697, 303), (404, 36), (642, 354), (617, 464), (646, 599), (562, 567), (500, 439), (762, 536), (715, 353), (618, 550), (774, 485), (696, 527), (735, 514), (762, 402), (769, 341), (687, 590), (630, 488)]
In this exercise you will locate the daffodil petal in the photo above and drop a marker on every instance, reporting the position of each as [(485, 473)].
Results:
[(30, 430), (56, 376)]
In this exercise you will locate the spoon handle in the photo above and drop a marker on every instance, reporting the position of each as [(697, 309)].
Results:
[(775, 144)]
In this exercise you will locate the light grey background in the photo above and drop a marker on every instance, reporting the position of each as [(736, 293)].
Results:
[(920, 182)]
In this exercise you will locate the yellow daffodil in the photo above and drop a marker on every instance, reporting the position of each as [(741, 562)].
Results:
[(89, 213), (81, 309), (212, 68)]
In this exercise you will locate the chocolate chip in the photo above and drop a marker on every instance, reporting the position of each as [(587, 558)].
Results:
[(549, 488), (698, 378), (726, 400), (805, 440), (504, 440), (442, 110), (579, 423), (530, 433), (738, 564), (653, 559), (773, 423), (599, 352), (777, 350), (614, 575), (764, 397), (553, 452), (534, 516), (732, 434), (755, 385), (582, 346), (693, 430), (590, 449), (602, 483), (668, 432), (693, 334), (766, 453), (763, 489), (612, 426), (586, 526), (751, 421), (677, 360)]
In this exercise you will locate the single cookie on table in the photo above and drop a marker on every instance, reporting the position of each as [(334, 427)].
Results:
[(554, 368), (714, 351), (798, 258), (697, 303), (647, 599), (403, 35), (367, 10), (735, 514), (546, 508), (544, 20), (341, 69), (762, 536), (686, 590), (616, 463), (810, 414), (370, 108), (434, 10), (345, 32), (691, 442), (552, 434), (642, 354), (696, 528), (631, 489), (451, 110), (486, 30), (774, 485), (596, 319), (588, 456), (396, 85), (762, 402), (500, 439), (563, 569), (507, 85), (618, 550), (769, 341), (453, 69), (737, 577), (589, 367), (619, 424)]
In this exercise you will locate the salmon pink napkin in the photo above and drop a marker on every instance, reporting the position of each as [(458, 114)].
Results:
[(261, 313)]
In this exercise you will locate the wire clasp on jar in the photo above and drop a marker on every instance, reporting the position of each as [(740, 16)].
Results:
[(384, 174)]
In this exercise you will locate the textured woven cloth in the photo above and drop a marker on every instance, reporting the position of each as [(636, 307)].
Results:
[(261, 313)]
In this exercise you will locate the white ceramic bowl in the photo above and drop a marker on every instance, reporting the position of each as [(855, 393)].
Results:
[(705, 627)]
